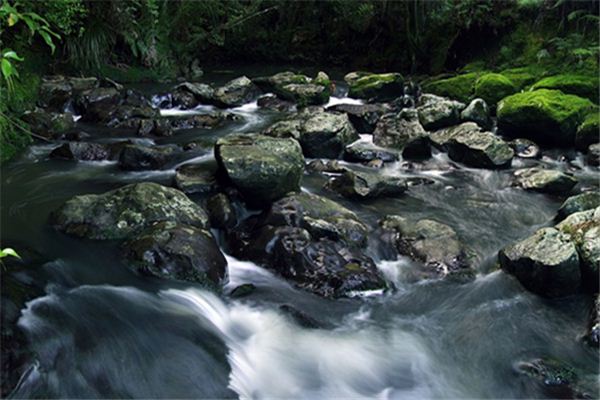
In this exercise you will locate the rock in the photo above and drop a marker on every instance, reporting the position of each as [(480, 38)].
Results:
[(243, 290), (593, 155), (377, 87), (56, 91), (272, 102), (48, 124), (458, 87), (403, 131), (548, 117), (331, 166), (351, 77), (174, 251), (592, 335), (306, 94), (545, 181), (583, 229), (236, 92), (274, 83), (365, 152), (125, 112), (545, 263), (297, 88), (262, 168), (581, 202), (195, 178), (206, 121), (493, 88), (86, 151), (555, 379), (97, 104), (221, 212), (588, 132), (355, 184), (126, 211), (524, 148), (579, 85), (321, 134), (135, 157), (301, 318), (432, 243), (201, 92), (437, 112), (477, 111), (363, 117)]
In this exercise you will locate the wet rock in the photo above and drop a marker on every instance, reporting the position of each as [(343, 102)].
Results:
[(581, 202), (135, 157), (593, 154), (271, 102), (306, 94), (188, 95), (126, 211), (588, 132), (262, 168), (549, 117), (583, 229), (56, 91), (174, 251), (300, 317), (86, 151), (437, 112), (321, 134), (546, 263), (477, 111), (195, 178), (221, 212), (274, 83), (363, 117), (97, 104), (355, 184), (236, 92), (524, 148), (376, 87), (330, 166), (592, 334), (297, 88), (365, 152), (432, 243), (125, 112), (553, 378), (201, 121), (545, 181), (243, 290), (403, 131), (48, 124)]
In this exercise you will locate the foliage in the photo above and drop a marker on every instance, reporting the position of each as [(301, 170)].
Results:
[(580, 85), (494, 87), (459, 87)]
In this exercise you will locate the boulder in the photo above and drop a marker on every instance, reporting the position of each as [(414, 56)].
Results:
[(363, 117), (262, 168), (56, 91), (275, 83), (403, 131), (48, 124), (586, 86), (97, 104), (201, 93), (588, 132), (126, 211), (195, 178), (437, 112), (581, 202), (544, 180), (546, 263), (221, 212), (477, 111), (494, 87), (321, 134), (458, 87), (135, 157), (377, 87), (306, 94), (435, 245), (175, 251), (236, 92), (358, 184), (549, 117), (365, 152)]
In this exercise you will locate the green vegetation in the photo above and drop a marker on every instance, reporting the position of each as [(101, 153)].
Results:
[(581, 85), (493, 88), (459, 87)]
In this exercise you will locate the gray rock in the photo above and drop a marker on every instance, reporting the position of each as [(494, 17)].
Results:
[(365, 152), (221, 212), (545, 181), (126, 211), (363, 117), (437, 112), (48, 124), (236, 93), (375, 87), (355, 184), (581, 202), (593, 154), (546, 263), (477, 111), (202, 92), (135, 157), (262, 168), (195, 178), (525, 148), (84, 151), (403, 131)]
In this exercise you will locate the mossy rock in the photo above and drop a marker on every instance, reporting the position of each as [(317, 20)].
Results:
[(589, 131), (381, 87), (546, 116), (522, 77), (493, 88), (459, 87), (580, 85)]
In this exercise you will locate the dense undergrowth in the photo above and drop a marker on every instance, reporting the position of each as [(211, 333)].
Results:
[(467, 47)]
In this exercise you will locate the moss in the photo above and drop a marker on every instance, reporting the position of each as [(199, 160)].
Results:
[(374, 85), (522, 77), (544, 115), (580, 85), (589, 131), (493, 88), (459, 87)]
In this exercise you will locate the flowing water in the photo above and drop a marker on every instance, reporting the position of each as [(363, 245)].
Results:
[(99, 330)]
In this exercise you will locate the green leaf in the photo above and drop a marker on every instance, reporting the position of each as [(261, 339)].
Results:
[(12, 54), (9, 252), (7, 68), (48, 40)]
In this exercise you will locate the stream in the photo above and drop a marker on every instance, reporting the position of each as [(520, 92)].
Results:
[(100, 330)]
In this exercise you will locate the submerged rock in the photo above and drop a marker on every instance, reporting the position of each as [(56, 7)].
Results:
[(236, 92), (545, 181), (432, 243), (546, 263), (126, 211), (581, 202), (403, 131), (175, 251), (263, 168)]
